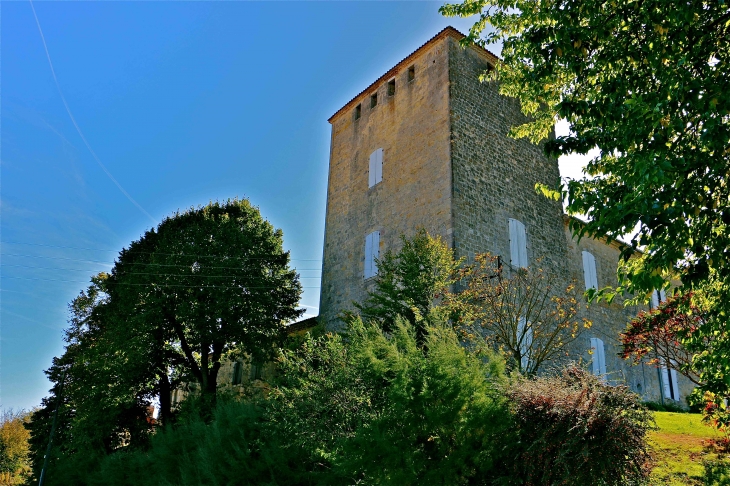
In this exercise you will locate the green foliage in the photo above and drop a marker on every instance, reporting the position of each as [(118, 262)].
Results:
[(377, 408), (14, 450), (645, 82), (667, 406), (574, 429), (717, 473), (410, 281)]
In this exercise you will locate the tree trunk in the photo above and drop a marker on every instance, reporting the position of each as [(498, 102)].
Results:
[(165, 400)]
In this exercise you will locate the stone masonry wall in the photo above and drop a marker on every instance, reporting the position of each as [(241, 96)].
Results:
[(494, 175), (412, 127)]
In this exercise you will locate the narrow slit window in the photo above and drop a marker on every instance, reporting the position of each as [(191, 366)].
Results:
[(391, 87), (358, 112), (411, 73), (374, 100)]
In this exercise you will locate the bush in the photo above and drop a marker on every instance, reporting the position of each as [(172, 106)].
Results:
[(376, 408), (575, 429), (717, 473), (237, 446), (665, 407)]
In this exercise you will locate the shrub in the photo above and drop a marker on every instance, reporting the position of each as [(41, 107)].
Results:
[(574, 429), (665, 407), (378, 408), (717, 473)]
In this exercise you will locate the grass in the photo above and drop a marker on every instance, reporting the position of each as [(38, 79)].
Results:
[(678, 448)]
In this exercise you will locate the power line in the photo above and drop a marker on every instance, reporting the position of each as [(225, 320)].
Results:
[(147, 252), (134, 273), (164, 285), (112, 263)]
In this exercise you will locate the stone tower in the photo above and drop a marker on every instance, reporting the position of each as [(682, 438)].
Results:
[(426, 146)]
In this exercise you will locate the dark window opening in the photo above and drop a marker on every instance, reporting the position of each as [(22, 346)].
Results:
[(391, 87), (411, 73), (490, 67), (358, 111), (237, 373), (255, 371), (374, 100)]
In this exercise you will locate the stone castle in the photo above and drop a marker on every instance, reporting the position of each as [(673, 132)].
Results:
[(426, 146)]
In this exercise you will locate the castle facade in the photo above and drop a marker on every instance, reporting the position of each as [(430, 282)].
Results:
[(426, 146)]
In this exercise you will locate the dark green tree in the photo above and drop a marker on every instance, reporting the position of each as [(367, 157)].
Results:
[(645, 82), (410, 281), (206, 282)]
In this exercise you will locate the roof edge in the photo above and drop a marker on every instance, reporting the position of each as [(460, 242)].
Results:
[(446, 32)]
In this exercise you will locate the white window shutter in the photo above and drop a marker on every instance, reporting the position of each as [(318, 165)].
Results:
[(654, 299), (379, 166), (371, 168), (524, 338), (665, 381), (517, 243), (599, 357), (376, 251), (372, 251), (368, 256), (675, 384), (589, 271), (662, 296)]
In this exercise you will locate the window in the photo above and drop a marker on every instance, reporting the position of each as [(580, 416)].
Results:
[(517, 244), (411, 73), (358, 112), (374, 100), (599, 357), (524, 340), (589, 270), (255, 371), (657, 297), (372, 252), (375, 173), (237, 373), (391, 87), (669, 382)]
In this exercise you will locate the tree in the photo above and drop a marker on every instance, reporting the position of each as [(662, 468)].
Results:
[(206, 282), (14, 442), (525, 315), (659, 335), (409, 282)]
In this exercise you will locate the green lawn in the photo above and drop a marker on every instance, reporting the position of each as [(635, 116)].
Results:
[(678, 448)]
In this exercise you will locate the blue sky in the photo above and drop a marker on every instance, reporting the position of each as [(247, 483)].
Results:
[(183, 103)]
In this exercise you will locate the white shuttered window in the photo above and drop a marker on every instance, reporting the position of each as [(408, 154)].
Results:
[(375, 173), (372, 251), (657, 297), (524, 338), (669, 382), (599, 357), (589, 270), (517, 244)]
